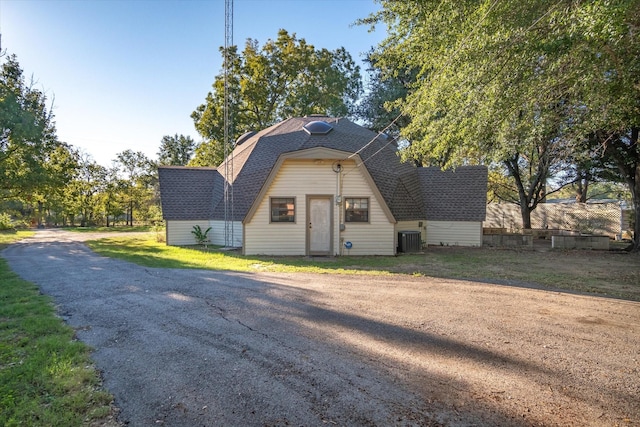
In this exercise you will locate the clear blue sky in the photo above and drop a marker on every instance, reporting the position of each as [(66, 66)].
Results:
[(122, 74)]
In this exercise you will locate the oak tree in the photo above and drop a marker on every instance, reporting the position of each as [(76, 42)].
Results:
[(521, 84), (283, 78)]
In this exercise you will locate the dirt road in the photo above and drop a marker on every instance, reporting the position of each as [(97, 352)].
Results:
[(193, 347)]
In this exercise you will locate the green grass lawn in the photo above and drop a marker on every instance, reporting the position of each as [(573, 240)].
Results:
[(7, 237), (149, 252), (46, 376), (606, 273)]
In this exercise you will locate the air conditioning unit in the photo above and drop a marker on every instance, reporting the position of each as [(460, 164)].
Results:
[(409, 241)]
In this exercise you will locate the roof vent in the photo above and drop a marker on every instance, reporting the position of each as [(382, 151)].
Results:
[(242, 138), (318, 127)]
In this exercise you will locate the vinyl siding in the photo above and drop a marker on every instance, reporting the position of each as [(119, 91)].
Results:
[(454, 233), (179, 232), (302, 178), (217, 233)]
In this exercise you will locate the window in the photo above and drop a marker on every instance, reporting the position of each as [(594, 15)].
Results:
[(283, 209), (356, 210)]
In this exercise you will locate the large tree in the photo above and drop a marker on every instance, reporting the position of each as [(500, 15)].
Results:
[(498, 79), (176, 150), (85, 191), (61, 166), (27, 134), (380, 108), (136, 181), (285, 77)]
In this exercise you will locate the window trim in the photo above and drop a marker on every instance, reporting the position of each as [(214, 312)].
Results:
[(271, 220), (368, 210)]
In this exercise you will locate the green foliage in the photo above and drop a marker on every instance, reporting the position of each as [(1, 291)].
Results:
[(11, 236), (47, 377), (285, 77), (137, 180), (6, 223), (380, 108), (528, 85), (84, 192), (44, 181), (201, 236), (208, 153), (160, 230), (28, 142), (112, 229), (176, 150)]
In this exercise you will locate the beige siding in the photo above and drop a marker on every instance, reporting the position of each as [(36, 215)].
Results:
[(300, 178), (373, 238), (454, 233), (179, 232), (217, 233)]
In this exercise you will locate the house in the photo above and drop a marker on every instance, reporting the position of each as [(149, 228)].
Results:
[(322, 186)]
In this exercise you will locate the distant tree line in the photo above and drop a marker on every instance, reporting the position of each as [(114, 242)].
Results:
[(44, 181)]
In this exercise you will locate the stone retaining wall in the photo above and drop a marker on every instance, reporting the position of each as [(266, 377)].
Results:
[(508, 240), (580, 242)]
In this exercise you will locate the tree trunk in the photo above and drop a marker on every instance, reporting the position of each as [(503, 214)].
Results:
[(629, 166), (525, 211), (626, 156), (39, 214), (524, 198), (582, 190)]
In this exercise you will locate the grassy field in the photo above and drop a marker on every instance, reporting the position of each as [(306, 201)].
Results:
[(46, 376), (613, 273)]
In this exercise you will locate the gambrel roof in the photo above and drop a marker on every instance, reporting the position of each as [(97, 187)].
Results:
[(400, 183)]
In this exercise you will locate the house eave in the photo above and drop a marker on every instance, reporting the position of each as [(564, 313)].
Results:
[(319, 153)]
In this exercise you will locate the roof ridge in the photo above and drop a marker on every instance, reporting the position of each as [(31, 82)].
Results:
[(187, 167), (253, 140)]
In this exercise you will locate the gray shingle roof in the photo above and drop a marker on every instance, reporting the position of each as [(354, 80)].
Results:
[(254, 158), (454, 195), (197, 193), (189, 193)]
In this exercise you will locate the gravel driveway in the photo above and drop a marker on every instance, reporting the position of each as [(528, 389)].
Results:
[(204, 348)]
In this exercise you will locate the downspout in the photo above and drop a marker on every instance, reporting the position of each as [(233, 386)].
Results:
[(337, 168)]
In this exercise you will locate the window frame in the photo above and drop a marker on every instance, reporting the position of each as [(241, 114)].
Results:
[(349, 219), (271, 207)]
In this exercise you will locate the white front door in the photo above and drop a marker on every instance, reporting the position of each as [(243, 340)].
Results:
[(319, 225)]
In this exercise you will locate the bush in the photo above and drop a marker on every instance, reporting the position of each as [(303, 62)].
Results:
[(160, 229), (6, 223), (201, 236)]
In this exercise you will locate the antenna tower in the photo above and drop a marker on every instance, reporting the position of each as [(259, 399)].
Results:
[(228, 120)]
